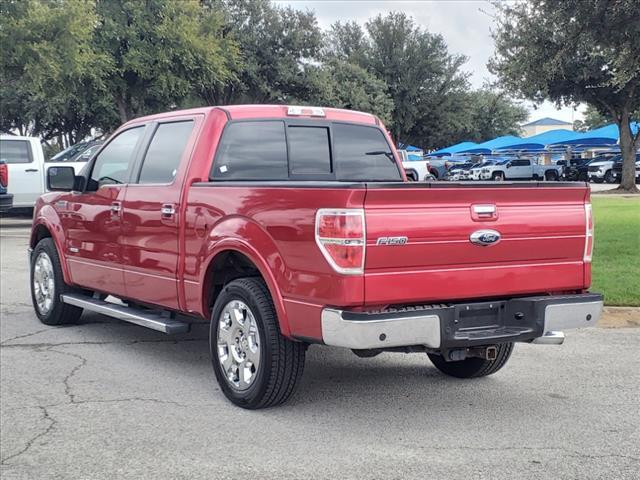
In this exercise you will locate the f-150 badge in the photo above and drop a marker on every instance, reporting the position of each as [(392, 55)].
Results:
[(391, 240)]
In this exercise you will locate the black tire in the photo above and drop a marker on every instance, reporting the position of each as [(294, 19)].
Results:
[(608, 177), (281, 360), (497, 177), (551, 176), (473, 367), (59, 313)]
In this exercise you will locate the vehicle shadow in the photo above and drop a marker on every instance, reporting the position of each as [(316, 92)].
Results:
[(334, 378)]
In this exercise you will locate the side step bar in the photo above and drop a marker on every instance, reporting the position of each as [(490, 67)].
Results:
[(144, 318)]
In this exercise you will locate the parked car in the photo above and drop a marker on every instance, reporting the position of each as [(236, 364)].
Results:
[(419, 170), (617, 170), (460, 172), (6, 199), (520, 169), (577, 170), (291, 226), (601, 169), (27, 168), (74, 151), (476, 170)]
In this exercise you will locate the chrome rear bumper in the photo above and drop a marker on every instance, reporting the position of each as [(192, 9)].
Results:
[(528, 319)]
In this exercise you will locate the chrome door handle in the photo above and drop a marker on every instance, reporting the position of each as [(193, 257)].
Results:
[(167, 210)]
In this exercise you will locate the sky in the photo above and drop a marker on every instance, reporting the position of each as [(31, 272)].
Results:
[(464, 24)]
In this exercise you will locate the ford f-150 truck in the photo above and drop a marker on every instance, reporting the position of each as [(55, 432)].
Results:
[(290, 226)]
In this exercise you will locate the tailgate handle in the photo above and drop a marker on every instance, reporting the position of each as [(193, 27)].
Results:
[(484, 212)]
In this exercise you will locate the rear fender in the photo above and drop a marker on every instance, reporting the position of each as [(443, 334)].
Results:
[(245, 236)]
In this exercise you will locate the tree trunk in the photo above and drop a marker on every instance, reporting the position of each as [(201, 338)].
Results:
[(627, 148), (122, 109)]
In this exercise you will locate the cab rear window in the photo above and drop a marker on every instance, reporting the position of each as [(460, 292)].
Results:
[(279, 150), (15, 151)]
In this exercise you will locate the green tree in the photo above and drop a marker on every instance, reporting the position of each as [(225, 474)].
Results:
[(340, 84), (49, 70), (592, 119), (276, 45), (423, 79), (575, 51), (491, 114), (161, 53)]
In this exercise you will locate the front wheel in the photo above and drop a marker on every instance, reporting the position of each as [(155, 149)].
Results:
[(609, 178), (473, 367), (255, 365), (497, 177), (47, 284)]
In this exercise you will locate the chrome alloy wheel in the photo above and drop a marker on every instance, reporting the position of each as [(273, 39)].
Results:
[(43, 283), (238, 345)]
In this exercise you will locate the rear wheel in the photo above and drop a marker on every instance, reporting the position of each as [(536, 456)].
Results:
[(255, 365), (47, 284), (473, 367), (551, 176)]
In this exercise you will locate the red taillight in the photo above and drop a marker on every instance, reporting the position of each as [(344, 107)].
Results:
[(340, 235), (588, 241), (4, 175)]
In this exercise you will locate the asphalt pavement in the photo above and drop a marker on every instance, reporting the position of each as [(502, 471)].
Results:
[(106, 399)]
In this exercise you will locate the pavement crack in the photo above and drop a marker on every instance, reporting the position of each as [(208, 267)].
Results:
[(67, 379), (52, 422), (26, 335)]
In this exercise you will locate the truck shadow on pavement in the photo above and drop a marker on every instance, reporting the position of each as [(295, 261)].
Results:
[(333, 377)]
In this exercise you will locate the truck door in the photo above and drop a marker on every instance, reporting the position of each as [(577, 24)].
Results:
[(25, 164), (520, 169), (92, 219), (151, 213)]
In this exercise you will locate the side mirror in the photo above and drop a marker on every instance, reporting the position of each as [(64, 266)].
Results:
[(63, 179), (508, 165)]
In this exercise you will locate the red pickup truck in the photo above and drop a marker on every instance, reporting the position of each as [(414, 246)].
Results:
[(287, 226)]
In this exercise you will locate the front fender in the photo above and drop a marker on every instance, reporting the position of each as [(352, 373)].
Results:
[(46, 216), (247, 237)]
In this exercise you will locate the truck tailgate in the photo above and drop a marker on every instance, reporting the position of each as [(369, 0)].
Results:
[(541, 245)]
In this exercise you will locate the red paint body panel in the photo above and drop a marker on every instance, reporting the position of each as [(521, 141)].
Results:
[(142, 256)]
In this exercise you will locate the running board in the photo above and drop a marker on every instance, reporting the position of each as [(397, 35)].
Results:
[(144, 318)]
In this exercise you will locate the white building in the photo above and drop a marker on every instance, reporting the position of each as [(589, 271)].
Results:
[(544, 125)]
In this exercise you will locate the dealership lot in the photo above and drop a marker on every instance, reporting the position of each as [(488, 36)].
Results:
[(105, 399)]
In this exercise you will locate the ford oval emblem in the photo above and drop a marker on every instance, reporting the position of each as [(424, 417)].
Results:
[(485, 238)]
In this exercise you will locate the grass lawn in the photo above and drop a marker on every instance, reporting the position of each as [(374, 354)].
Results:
[(616, 258)]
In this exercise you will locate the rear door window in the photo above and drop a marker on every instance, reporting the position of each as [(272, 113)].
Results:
[(163, 156), (363, 154), (15, 151), (309, 150), (252, 151)]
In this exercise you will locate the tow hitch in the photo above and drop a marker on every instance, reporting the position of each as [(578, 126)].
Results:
[(486, 353)]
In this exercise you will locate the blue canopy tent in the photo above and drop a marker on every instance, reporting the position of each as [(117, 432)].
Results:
[(491, 145), (540, 141), (443, 152), (607, 135), (411, 148)]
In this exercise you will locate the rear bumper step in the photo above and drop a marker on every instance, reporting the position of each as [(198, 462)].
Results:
[(145, 318), (538, 319)]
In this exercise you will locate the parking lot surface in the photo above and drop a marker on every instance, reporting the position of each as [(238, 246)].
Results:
[(106, 399)]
